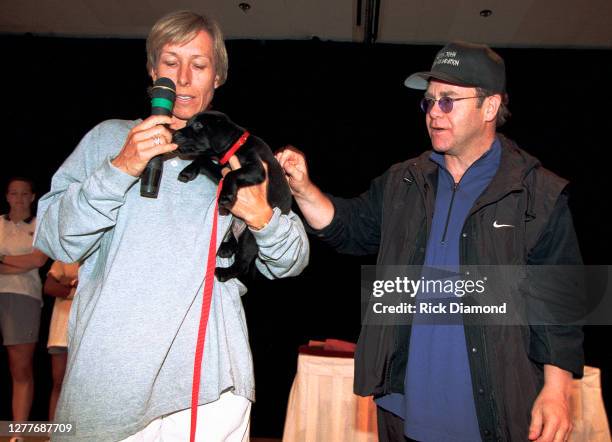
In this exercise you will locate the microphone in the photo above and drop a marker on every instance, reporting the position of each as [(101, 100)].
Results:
[(163, 94)]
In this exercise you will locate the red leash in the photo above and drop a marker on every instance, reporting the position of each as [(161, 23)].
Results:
[(206, 299), (209, 281)]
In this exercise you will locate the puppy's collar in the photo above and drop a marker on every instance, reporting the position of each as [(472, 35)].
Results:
[(232, 150)]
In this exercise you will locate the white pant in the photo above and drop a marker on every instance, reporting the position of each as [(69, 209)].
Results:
[(225, 420)]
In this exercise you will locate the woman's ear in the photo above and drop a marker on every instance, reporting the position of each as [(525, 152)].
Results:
[(217, 79)]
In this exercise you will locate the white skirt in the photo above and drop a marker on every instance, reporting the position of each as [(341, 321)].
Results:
[(225, 420)]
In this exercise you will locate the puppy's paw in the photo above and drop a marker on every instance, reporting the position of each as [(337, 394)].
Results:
[(190, 172), (225, 273), (227, 248), (226, 200)]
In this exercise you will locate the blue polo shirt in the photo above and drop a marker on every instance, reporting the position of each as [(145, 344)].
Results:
[(439, 402)]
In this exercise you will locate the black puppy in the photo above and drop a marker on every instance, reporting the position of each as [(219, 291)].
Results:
[(209, 136)]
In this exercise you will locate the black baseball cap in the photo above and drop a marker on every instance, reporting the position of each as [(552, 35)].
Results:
[(464, 64)]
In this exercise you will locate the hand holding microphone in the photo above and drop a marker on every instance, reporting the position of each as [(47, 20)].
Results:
[(148, 140)]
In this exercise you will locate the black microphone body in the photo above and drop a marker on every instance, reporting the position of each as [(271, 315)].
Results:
[(163, 94)]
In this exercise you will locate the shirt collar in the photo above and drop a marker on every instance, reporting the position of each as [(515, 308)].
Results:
[(492, 153)]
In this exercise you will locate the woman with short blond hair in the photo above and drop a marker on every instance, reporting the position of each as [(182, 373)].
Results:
[(134, 320)]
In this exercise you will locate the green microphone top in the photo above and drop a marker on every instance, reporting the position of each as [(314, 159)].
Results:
[(163, 94)]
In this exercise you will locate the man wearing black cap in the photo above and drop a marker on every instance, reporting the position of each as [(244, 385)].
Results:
[(475, 199)]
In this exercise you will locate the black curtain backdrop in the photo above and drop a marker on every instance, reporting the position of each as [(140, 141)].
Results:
[(345, 105)]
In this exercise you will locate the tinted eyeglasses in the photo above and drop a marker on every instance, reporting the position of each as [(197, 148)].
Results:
[(445, 103)]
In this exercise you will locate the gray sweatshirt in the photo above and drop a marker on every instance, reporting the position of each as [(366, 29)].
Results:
[(134, 320)]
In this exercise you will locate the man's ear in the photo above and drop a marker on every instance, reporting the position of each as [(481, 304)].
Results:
[(491, 107)]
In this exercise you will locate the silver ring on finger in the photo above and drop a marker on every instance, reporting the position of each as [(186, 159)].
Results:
[(157, 140)]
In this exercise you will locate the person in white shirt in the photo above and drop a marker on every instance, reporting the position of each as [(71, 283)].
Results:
[(20, 291)]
